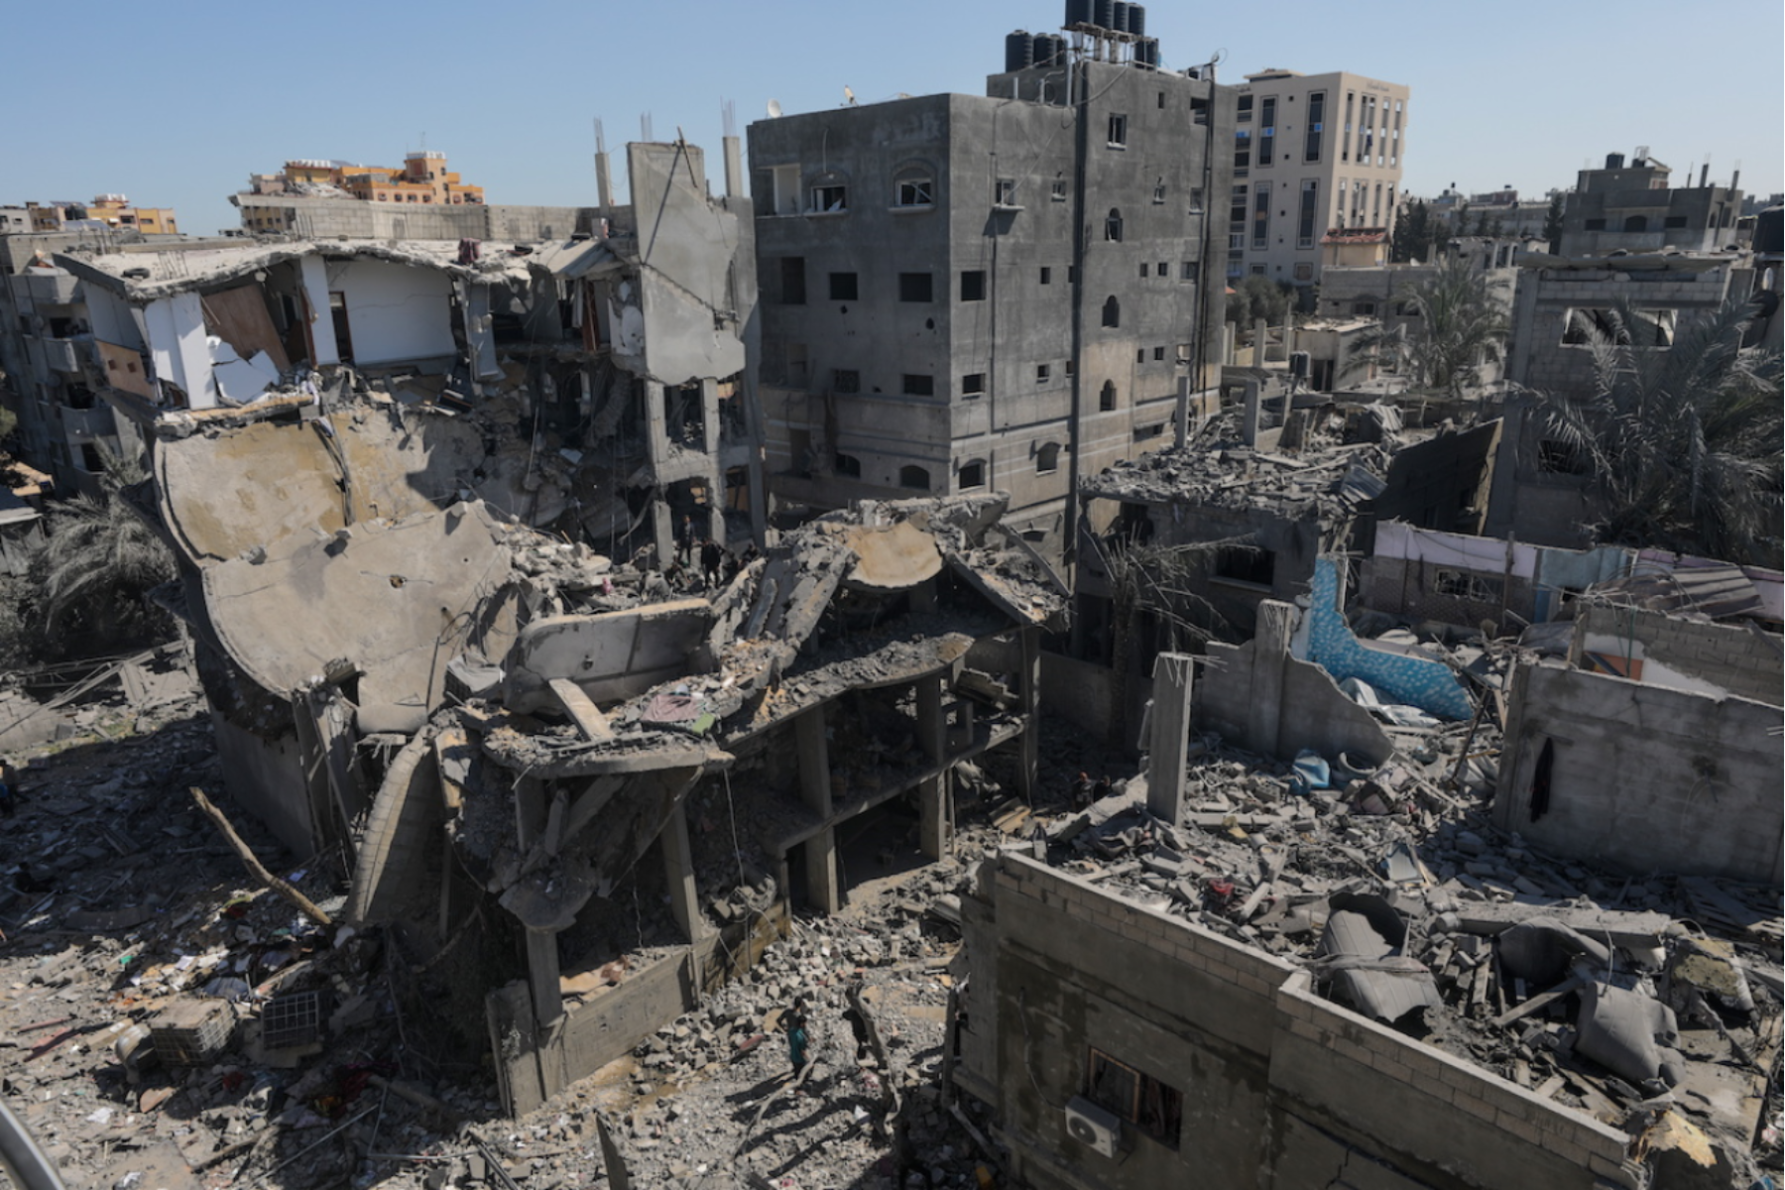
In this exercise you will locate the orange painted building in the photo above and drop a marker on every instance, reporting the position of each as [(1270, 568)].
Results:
[(423, 178)]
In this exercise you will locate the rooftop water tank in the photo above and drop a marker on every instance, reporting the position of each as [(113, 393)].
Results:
[(1137, 19), (1019, 50), (1120, 21), (1078, 12)]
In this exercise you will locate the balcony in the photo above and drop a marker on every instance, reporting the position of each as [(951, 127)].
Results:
[(51, 288), (62, 355), (84, 425)]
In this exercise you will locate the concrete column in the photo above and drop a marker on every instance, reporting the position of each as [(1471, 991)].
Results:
[(1029, 696), (604, 181), (815, 791), (684, 894), (1183, 434), (1169, 747), (932, 795), (1261, 336), (1270, 657), (1252, 414), (709, 421), (543, 974), (734, 167)]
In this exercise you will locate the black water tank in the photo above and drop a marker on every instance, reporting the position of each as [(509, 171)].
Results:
[(1146, 52), (1103, 13), (1078, 12), (1019, 50), (1137, 19), (1049, 50), (1614, 161), (1767, 232), (1120, 16)]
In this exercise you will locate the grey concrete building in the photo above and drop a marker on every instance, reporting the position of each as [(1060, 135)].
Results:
[(998, 292), (1632, 207), (51, 373)]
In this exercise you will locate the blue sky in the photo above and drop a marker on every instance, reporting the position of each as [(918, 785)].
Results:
[(177, 104)]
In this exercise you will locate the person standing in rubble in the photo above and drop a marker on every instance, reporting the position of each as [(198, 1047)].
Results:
[(1081, 793), (685, 543), (1102, 789), (794, 1023), (710, 558)]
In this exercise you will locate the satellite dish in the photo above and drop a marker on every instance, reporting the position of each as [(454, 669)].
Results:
[(774, 109), (849, 94)]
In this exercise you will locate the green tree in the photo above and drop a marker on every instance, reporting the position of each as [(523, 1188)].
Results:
[(1552, 222), (1455, 324), (1258, 297), (1413, 233), (1684, 442), (99, 561)]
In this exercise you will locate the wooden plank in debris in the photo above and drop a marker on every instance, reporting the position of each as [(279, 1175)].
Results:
[(582, 711), (1536, 1002)]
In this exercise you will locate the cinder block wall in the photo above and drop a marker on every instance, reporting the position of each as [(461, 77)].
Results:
[(1643, 777), (1743, 662), (1279, 1086)]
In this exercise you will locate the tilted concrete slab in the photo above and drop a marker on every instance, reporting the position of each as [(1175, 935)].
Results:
[(892, 557), (253, 485), (609, 656), (395, 599)]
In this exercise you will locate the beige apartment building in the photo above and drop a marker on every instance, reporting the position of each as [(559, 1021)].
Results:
[(1316, 163)]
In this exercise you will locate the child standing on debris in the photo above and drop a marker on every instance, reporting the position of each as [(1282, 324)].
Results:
[(685, 542), (797, 1039)]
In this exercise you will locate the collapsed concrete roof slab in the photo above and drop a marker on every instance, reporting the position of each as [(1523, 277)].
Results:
[(892, 557), (610, 656), (394, 598), (254, 485)]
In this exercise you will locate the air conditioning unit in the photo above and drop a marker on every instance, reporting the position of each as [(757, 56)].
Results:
[(1095, 1127)]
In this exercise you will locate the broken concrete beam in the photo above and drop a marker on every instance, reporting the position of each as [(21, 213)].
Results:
[(582, 710), (1626, 929)]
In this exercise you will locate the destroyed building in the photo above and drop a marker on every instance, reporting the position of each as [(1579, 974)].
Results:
[(929, 326), (1268, 487)]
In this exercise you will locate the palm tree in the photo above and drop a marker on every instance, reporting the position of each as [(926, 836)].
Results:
[(100, 559), (1461, 325), (1684, 442)]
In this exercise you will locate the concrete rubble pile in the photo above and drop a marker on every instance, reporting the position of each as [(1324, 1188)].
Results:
[(168, 1024), (1652, 1003)]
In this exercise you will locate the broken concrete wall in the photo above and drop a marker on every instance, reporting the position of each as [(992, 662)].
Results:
[(1259, 697), (1341, 1082), (1280, 1089), (1664, 650), (175, 330), (266, 778), (1642, 777), (686, 244), (609, 656), (1415, 681), (395, 313)]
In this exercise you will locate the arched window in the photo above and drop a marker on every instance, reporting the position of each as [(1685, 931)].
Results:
[(848, 465), (972, 475), (1047, 459), (1112, 226), (912, 476), (914, 186), (1636, 223), (1106, 400), (1112, 312)]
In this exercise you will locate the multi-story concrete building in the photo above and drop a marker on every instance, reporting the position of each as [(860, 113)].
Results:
[(1313, 154), (51, 370), (1632, 207), (422, 181), (966, 293), (107, 210)]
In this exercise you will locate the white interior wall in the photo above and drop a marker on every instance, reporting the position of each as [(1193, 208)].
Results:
[(394, 312)]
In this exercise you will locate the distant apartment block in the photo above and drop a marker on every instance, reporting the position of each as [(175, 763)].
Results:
[(106, 210), (1316, 167), (1632, 206), (423, 180)]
